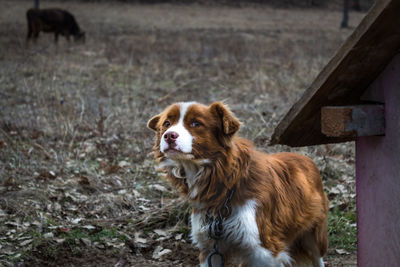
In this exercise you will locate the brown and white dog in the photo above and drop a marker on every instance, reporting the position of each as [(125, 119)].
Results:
[(277, 213)]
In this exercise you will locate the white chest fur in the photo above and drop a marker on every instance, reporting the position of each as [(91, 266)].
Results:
[(241, 231)]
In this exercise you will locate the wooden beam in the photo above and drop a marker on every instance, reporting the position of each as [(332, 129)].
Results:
[(353, 121)]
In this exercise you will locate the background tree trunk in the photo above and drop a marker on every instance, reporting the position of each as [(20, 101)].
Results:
[(345, 21)]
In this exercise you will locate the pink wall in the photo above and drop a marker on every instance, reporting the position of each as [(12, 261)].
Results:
[(378, 179)]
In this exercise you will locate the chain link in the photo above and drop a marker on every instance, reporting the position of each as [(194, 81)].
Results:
[(216, 228)]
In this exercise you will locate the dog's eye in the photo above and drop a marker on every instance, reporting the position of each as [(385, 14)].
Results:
[(166, 124), (195, 124)]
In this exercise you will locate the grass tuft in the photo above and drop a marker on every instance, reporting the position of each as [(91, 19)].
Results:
[(342, 229)]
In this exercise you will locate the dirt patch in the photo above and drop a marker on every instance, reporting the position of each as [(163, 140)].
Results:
[(182, 254)]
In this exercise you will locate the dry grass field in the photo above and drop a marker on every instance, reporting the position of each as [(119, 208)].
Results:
[(78, 185)]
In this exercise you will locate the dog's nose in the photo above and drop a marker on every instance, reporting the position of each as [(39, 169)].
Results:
[(171, 137)]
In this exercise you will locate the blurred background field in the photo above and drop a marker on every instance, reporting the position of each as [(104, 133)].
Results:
[(77, 179)]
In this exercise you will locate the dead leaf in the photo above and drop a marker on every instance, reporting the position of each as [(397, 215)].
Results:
[(10, 181), (178, 237), (63, 230), (139, 239), (159, 252), (89, 227), (48, 235), (158, 187), (160, 232), (342, 252), (43, 175), (123, 164), (3, 144), (86, 241), (111, 169), (26, 242), (77, 220), (84, 180)]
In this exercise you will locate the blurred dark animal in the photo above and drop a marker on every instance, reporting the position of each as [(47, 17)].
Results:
[(356, 5), (53, 20)]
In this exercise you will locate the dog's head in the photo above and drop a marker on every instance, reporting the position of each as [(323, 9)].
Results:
[(188, 130)]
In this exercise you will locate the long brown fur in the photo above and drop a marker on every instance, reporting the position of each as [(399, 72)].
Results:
[(292, 206)]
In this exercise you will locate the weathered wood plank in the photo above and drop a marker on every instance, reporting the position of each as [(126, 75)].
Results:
[(343, 80), (353, 121)]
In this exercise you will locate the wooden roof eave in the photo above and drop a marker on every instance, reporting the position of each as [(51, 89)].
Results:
[(344, 79)]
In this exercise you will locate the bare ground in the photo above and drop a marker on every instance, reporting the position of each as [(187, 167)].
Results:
[(77, 182)]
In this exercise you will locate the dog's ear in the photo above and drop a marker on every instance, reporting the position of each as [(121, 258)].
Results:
[(152, 124), (229, 123)]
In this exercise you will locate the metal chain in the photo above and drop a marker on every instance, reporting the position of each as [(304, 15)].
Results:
[(216, 252), (216, 228)]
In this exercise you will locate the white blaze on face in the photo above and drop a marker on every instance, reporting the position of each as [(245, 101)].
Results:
[(185, 139)]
